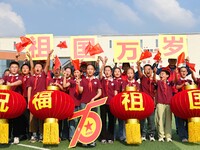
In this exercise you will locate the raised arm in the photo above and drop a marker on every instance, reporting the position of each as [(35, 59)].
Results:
[(46, 68), (102, 68), (140, 74), (31, 62), (193, 76)]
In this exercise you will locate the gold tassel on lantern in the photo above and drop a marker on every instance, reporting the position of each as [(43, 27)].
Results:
[(133, 135), (51, 131), (4, 129), (194, 129)]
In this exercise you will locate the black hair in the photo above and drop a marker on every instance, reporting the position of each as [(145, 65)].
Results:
[(126, 64), (69, 68), (118, 69), (131, 69), (5, 71), (92, 66), (26, 64), (167, 72), (108, 67), (14, 63), (147, 65), (38, 63)]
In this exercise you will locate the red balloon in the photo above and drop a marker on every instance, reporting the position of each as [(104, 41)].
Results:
[(12, 104), (52, 104), (132, 104), (185, 104)]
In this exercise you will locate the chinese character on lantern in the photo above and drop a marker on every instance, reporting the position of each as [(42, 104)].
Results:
[(133, 101), (171, 46), (3, 101), (126, 50), (78, 45), (42, 100), (42, 45), (194, 99)]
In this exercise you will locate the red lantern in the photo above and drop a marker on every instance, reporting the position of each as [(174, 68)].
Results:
[(12, 105), (186, 105), (50, 106), (131, 105)]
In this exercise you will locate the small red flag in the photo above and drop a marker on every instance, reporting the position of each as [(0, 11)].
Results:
[(25, 41), (191, 66), (19, 47), (62, 44), (57, 63), (76, 64), (181, 59), (145, 54), (157, 57), (88, 48), (96, 50)]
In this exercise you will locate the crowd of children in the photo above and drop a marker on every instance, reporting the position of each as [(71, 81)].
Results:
[(83, 85)]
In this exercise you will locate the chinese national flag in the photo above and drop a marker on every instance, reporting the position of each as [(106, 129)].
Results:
[(88, 48), (76, 64), (145, 54), (157, 57), (19, 47), (62, 44), (96, 50), (57, 63), (25, 41), (181, 59), (191, 66)]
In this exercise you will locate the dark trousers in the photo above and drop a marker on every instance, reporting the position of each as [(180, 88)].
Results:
[(107, 131), (182, 128)]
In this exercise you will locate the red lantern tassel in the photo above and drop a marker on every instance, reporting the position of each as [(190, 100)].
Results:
[(4, 128)]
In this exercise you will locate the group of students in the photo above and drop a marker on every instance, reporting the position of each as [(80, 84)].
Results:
[(84, 86)]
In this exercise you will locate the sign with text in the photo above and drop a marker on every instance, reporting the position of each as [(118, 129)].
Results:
[(171, 46)]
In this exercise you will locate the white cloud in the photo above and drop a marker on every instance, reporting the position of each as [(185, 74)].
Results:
[(167, 11), (11, 24), (102, 28), (122, 11)]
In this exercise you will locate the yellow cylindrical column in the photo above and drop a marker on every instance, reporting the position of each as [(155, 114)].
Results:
[(4, 129), (194, 129)]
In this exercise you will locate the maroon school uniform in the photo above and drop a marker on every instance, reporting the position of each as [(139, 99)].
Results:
[(58, 80), (109, 86), (120, 83), (198, 83), (90, 89), (181, 81), (147, 86), (13, 78), (37, 82), (124, 76), (73, 92), (130, 83), (25, 79), (164, 92)]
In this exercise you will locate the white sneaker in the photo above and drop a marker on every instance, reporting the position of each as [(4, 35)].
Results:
[(16, 140), (33, 139), (151, 138), (144, 138), (169, 140), (161, 140)]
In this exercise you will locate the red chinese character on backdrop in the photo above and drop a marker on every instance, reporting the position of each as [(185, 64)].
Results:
[(79, 47), (173, 45), (40, 46), (128, 46)]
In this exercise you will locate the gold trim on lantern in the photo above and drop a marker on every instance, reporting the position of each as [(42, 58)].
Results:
[(190, 87), (131, 88), (50, 120), (132, 121), (3, 120), (53, 88), (4, 87), (194, 119)]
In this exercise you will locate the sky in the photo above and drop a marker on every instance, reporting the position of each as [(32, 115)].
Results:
[(98, 17)]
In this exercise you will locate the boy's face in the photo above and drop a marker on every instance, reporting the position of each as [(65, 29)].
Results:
[(77, 74), (14, 68), (108, 72), (38, 69), (172, 62), (117, 73), (56, 72), (163, 76), (183, 72), (148, 71), (25, 70), (130, 74), (6, 73), (125, 67), (90, 70), (68, 72)]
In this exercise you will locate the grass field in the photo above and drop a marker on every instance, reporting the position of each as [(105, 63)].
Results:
[(147, 145)]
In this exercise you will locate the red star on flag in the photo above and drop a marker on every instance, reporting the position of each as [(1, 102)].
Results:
[(88, 126)]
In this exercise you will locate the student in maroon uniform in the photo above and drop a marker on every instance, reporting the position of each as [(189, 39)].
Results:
[(125, 67), (90, 88), (130, 80), (74, 93), (57, 79), (195, 79), (37, 83), (147, 86), (109, 89), (121, 123), (182, 123), (14, 80)]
